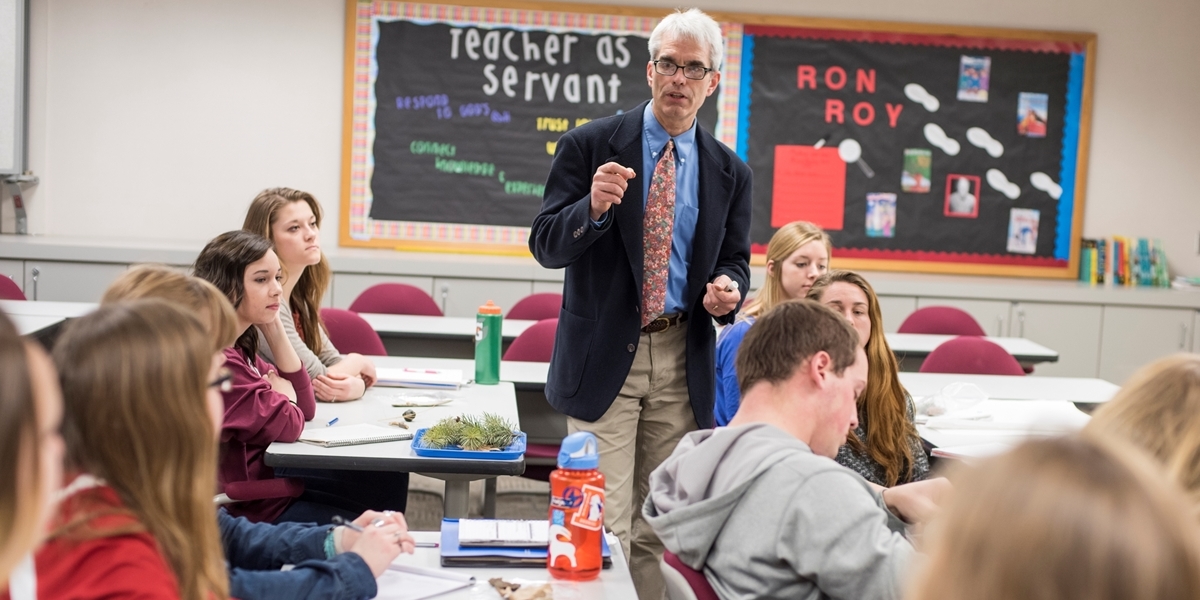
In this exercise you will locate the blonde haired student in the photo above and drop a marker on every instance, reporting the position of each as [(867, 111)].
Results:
[(328, 563), (1074, 518), (1158, 410), (291, 219), (136, 520), (31, 448), (885, 448), (797, 255)]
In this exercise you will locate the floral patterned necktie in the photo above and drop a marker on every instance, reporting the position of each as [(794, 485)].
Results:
[(656, 235)]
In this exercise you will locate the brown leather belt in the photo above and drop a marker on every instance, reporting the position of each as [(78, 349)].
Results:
[(665, 322)]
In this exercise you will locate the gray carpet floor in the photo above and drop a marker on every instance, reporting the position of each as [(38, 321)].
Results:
[(516, 498)]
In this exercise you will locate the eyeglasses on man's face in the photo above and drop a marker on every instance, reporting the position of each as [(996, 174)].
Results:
[(668, 68)]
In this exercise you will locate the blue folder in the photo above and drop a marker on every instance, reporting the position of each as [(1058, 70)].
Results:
[(454, 555)]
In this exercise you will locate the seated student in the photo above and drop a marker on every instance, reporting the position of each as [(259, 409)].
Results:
[(797, 254), (261, 407), (1158, 410), (291, 219), (885, 448), (31, 449), (328, 563), (1071, 518), (760, 506)]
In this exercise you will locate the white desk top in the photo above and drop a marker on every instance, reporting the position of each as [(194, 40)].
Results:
[(41, 308), (1009, 423), (614, 582), (920, 344), (443, 327), (375, 407), (523, 374), (31, 324), (1007, 387)]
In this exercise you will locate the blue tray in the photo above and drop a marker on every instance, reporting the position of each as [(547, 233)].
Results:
[(514, 451)]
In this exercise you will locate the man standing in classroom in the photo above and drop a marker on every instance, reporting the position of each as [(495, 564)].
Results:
[(650, 216)]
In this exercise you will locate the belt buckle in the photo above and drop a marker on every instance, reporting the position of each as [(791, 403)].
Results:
[(657, 325)]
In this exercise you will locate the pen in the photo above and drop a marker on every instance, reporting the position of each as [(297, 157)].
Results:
[(348, 525), (331, 422)]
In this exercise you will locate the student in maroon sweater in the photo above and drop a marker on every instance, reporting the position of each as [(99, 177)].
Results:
[(262, 405)]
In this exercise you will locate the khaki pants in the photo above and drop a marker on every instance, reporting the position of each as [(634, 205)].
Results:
[(640, 430)]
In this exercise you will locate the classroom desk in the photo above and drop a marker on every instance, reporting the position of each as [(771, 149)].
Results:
[(614, 582), (912, 348), (447, 337), (42, 308), (35, 325), (1010, 422), (1082, 390), (375, 407)]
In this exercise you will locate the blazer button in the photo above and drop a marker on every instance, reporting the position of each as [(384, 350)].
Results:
[(576, 234), (630, 348)]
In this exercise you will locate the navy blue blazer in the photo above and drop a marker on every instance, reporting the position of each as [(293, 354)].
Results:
[(600, 321)]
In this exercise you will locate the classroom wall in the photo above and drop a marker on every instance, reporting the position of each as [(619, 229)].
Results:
[(160, 120)]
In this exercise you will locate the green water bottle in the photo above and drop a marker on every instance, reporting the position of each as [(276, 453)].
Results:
[(487, 344)]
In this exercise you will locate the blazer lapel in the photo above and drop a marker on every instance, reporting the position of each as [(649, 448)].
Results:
[(626, 145), (713, 206)]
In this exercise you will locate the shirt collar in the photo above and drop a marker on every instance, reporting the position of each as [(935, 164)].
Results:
[(656, 136)]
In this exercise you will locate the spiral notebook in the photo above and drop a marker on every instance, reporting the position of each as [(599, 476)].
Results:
[(350, 435)]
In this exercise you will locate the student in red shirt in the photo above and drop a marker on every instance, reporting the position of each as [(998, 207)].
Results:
[(137, 519), (31, 449)]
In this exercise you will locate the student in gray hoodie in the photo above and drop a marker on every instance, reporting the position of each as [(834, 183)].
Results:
[(760, 506)]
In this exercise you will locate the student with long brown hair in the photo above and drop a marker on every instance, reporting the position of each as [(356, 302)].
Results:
[(797, 255), (328, 563), (1072, 518), (31, 448), (262, 407), (1158, 410), (885, 448), (136, 518), (291, 219)]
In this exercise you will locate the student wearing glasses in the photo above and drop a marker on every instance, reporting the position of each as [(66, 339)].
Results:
[(650, 217)]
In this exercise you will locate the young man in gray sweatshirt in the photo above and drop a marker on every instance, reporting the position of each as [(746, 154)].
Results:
[(760, 506)]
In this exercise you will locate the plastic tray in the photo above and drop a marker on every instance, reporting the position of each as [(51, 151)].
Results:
[(514, 450)]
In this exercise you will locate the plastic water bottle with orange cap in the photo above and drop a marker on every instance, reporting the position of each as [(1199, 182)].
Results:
[(488, 325)]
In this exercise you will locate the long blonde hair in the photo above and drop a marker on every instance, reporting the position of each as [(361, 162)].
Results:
[(786, 240), (883, 405), (134, 378), (1062, 518), (20, 500), (192, 293), (1158, 410), (305, 300)]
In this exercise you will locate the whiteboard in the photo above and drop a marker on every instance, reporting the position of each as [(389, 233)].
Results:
[(12, 86)]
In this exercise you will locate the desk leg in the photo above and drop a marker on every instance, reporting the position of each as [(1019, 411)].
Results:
[(489, 498), (456, 503)]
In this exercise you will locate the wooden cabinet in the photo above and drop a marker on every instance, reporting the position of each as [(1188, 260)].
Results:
[(1073, 330), (1133, 336), (992, 315), (69, 281)]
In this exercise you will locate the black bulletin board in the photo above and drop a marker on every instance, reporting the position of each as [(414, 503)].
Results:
[(452, 118)]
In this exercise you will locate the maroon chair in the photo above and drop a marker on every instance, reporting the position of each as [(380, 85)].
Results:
[(971, 355), (396, 299), (351, 333), (535, 344), (684, 582), (536, 307), (941, 320), (9, 290)]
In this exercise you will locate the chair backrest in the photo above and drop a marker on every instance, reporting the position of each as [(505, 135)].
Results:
[(535, 344), (971, 355), (684, 582), (536, 307), (9, 290), (396, 299), (351, 333), (941, 320)]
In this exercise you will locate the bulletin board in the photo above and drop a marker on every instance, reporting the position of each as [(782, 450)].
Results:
[(918, 148)]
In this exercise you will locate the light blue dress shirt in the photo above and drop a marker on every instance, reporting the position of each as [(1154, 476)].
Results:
[(687, 206)]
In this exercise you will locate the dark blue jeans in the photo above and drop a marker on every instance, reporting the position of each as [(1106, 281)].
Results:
[(329, 492)]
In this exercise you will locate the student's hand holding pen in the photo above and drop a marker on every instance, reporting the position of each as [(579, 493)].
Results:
[(377, 537)]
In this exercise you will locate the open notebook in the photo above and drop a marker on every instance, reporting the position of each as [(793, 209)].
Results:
[(349, 435), (438, 379)]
